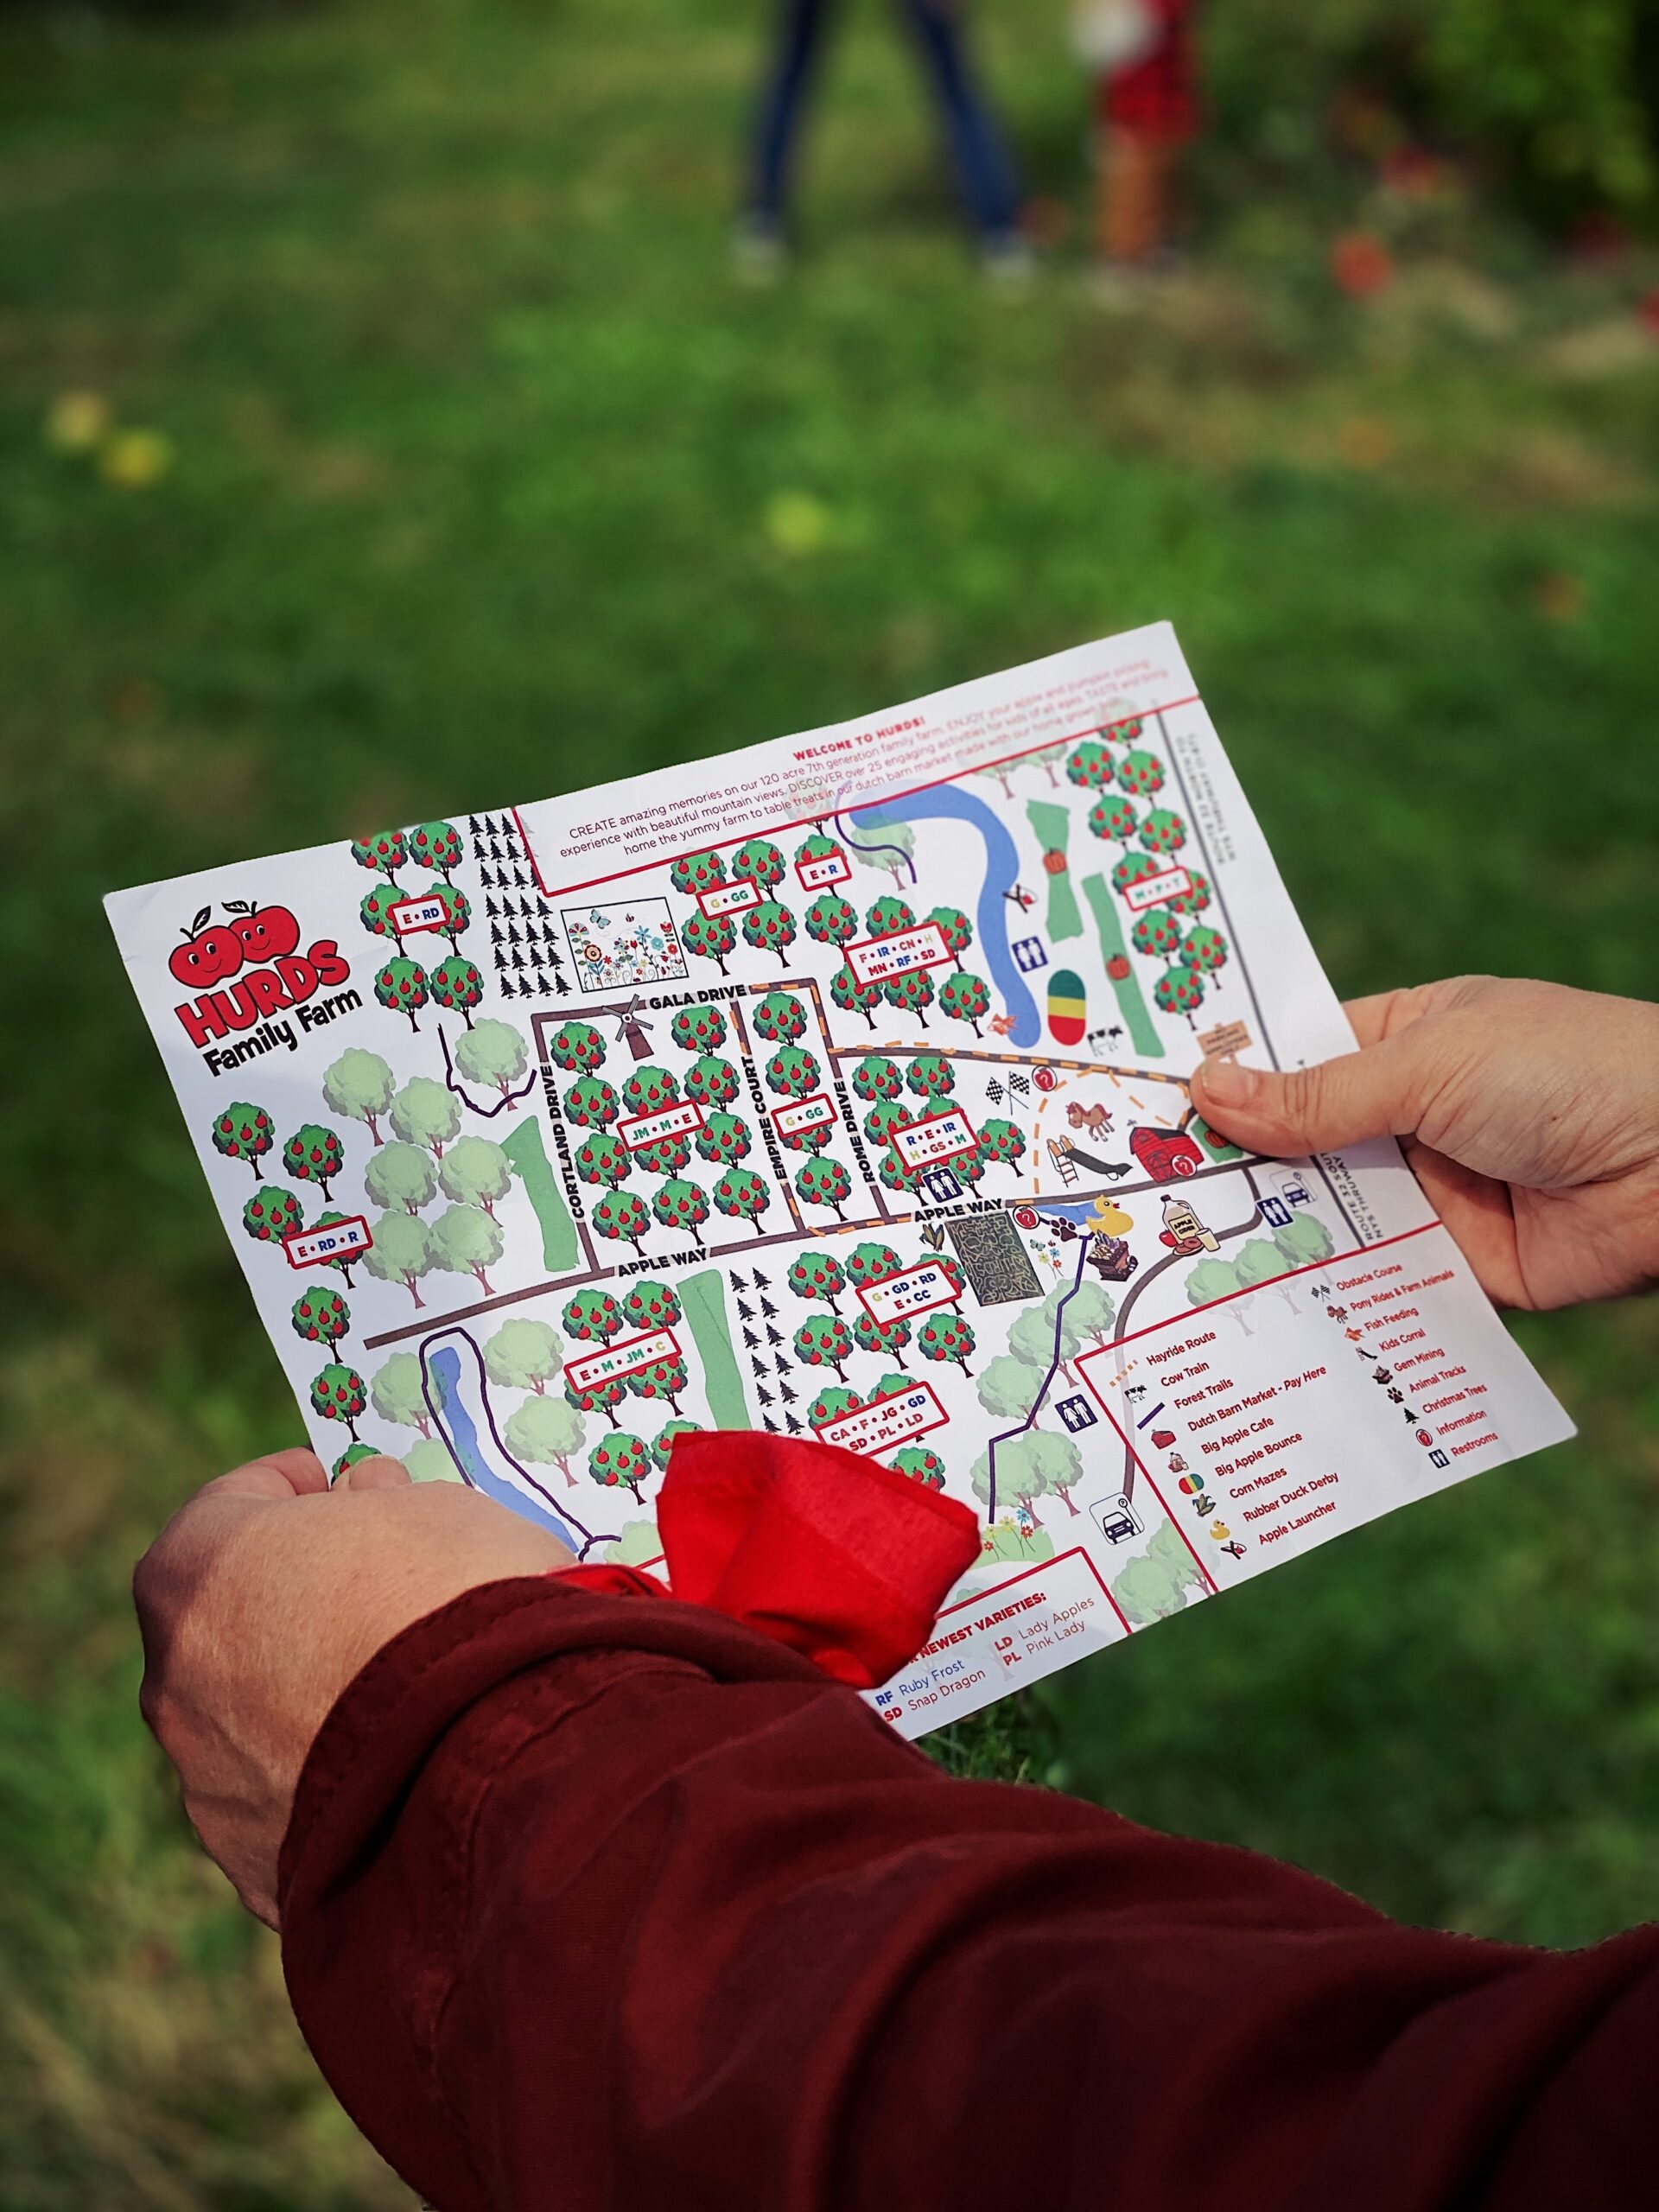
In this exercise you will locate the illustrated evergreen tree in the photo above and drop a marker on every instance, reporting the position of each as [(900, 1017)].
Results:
[(313, 1155), (698, 872), (375, 913), (577, 1047), (424, 1112), (698, 1029), (476, 1173), (853, 997), (824, 1182), (780, 1017), (954, 927), (243, 1132), (436, 845), (621, 1215), (603, 1159), (546, 1431), (1140, 772), (385, 851), (1178, 991), (272, 1214), (887, 916), (825, 1341), (666, 1156), (744, 1194), (649, 1088), (663, 1380), (888, 1338), (456, 985), (817, 1275), (1163, 831), (591, 1104), (877, 1076), (662, 1443), (494, 1054), (401, 1252), (931, 1075), (921, 1465), (710, 1081), (682, 1206), (794, 1072), (396, 1394), (760, 863), (1206, 949), (620, 1462), (320, 1316), (1090, 765), (947, 1335), (338, 1394), (467, 1241), (723, 1139), (401, 1175), (829, 1405), (871, 1263), (1113, 817), (1156, 933), (769, 928), (359, 1085), (710, 936), (831, 919), (401, 985), (964, 998), (1001, 1141)]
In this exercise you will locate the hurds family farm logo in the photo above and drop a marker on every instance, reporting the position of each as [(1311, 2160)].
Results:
[(249, 975)]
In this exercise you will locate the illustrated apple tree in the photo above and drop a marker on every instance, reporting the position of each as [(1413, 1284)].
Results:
[(963, 997), (376, 911), (651, 1306), (649, 1088), (912, 992), (604, 1160), (1090, 765), (1113, 817), (760, 863), (1001, 1141), (577, 1047), (592, 1317), (313, 1155), (664, 1379), (829, 1405), (931, 1075), (921, 1465), (272, 1214), (243, 1132), (591, 1104), (622, 1216), (818, 1275), (853, 997), (794, 1072), (342, 1263), (824, 1182), (779, 1018), (1142, 772), (402, 985), (682, 1206), (769, 928), (1178, 990), (887, 916), (1205, 949), (386, 851), (401, 1252), (947, 1335), (723, 1139), (621, 1462), (466, 1241), (321, 1317), (711, 1081), (360, 1084), (888, 1338), (744, 1195), (954, 927), (396, 1394), (662, 1443), (871, 1263), (831, 919), (546, 1431), (1163, 831), (456, 985), (711, 936), (338, 1394), (437, 845), (698, 1029), (698, 872), (666, 1156), (1194, 899), (1156, 933), (401, 1175), (824, 1342), (600, 1396), (883, 1117)]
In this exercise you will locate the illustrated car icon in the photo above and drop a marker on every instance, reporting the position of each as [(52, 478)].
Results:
[(1117, 1519)]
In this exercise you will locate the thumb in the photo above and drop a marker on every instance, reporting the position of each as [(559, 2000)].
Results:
[(381, 1474), (1381, 1092)]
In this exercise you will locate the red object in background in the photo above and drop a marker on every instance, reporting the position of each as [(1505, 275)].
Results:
[(1647, 312), (1360, 264), (1164, 1154), (1157, 97), (1163, 1438)]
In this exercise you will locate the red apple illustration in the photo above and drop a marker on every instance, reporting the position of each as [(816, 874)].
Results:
[(211, 951), (267, 933)]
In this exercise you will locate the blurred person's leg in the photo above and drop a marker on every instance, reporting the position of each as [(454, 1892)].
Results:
[(799, 41), (985, 173), (1136, 174)]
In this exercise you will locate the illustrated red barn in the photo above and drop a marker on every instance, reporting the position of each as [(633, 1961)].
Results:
[(1164, 1154)]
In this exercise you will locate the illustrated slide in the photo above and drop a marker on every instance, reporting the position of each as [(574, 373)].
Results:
[(838, 1087)]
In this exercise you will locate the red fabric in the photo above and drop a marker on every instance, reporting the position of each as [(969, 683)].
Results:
[(1158, 95), (616, 1908), (835, 1555)]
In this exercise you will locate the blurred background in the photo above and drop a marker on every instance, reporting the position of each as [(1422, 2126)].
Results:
[(387, 431)]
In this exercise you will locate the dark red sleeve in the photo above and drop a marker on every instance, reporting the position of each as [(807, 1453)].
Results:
[(610, 1905)]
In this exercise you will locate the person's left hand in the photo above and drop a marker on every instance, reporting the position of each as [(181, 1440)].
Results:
[(262, 1598)]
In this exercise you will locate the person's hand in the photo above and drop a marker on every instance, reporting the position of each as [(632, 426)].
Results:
[(262, 1598), (1530, 1113)]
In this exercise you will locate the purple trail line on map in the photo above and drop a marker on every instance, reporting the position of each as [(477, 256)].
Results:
[(1009, 1436), (858, 845), (484, 1113)]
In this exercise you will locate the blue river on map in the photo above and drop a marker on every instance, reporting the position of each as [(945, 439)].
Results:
[(456, 1393), (949, 803)]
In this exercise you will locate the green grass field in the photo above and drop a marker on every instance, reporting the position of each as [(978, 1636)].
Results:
[(485, 482)]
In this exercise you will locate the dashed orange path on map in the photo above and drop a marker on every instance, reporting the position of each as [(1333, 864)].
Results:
[(1068, 1013)]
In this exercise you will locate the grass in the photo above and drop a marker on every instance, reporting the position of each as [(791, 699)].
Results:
[(486, 483)]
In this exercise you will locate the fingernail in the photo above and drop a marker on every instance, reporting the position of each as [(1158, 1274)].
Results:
[(1226, 1083)]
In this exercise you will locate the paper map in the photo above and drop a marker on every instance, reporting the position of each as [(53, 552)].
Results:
[(837, 1087)]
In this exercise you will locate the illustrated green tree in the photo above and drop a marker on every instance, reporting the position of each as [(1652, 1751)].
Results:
[(698, 1029), (947, 1335), (457, 909), (824, 1182), (597, 1397), (592, 1317), (314, 1155), (397, 1395), (1001, 1141), (892, 854), (321, 1317), (546, 1431), (817, 846), (424, 1112), (591, 1104), (831, 919), (698, 872), (780, 1017), (877, 1076), (1090, 765), (887, 917), (824, 1342), (663, 1379), (360, 1084), (1178, 991), (1154, 1586), (401, 1175), (871, 1263), (854, 997), (431, 1461), (921, 1465), (1206, 949), (1022, 1477), (817, 1275), (794, 1072), (649, 1088), (1125, 731), (338, 1394), (401, 1252), (352, 1455), (343, 1262), (769, 928), (1135, 867), (1061, 1462), (243, 1132), (742, 1192), (1142, 772), (621, 1462), (931, 1075), (912, 992), (1114, 818), (888, 1338), (456, 985), (681, 1205), (1212, 1278), (603, 1159), (711, 1082), (710, 936), (401, 985), (492, 1052), (523, 1355), (1039, 1332), (272, 1214), (621, 1215), (1008, 1387), (952, 1269), (758, 862), (1257, 1262), (1304, 1241), (666, 1156), (476, 1173), (437, 845), (829, 1405), (724, 1140), (651, 1306), (663, 1442), (1163, 831), (1194, 899), (383, 850), (964, 998), (577, 1047), (813, 1139), (1156, 933), (897, 1176), (883, 1117), (954, 927), (375, 912), (466, 1241), (1090, 1311)]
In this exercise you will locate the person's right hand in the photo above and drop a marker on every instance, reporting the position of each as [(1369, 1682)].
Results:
[(1530, 1113)]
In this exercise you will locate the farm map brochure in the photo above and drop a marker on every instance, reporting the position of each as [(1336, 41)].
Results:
[(837, 1087)]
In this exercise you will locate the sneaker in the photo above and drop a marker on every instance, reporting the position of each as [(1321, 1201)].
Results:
[(1006, 260), (759, 255)]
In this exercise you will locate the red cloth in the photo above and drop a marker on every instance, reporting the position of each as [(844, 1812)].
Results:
[(832, 1554), (625, 1908), (1158, 95)]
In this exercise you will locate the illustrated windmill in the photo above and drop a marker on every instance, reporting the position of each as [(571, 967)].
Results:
[(631, 1031)]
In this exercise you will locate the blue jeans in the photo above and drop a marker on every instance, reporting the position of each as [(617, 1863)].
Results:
[(984, 174)]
